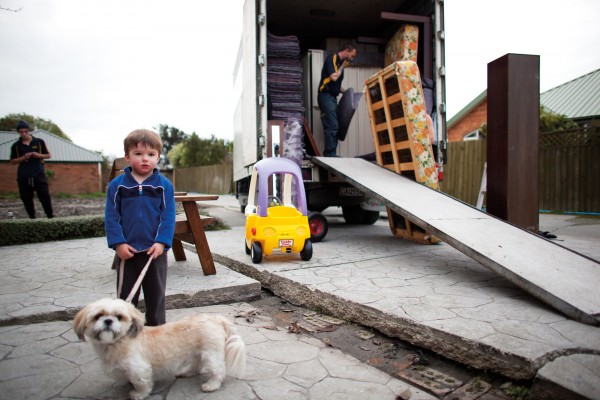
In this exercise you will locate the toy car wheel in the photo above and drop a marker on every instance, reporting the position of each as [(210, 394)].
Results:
[(246, 248), (256, 253), (306, 253), (318, 226)]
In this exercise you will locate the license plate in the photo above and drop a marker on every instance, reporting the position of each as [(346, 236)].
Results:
[(346, 191), (286, 242)]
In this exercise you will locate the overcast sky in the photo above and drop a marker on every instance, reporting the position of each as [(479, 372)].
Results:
[(100, 69)]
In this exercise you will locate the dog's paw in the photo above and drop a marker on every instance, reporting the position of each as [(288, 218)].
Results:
[(211, 386), (138, 395)]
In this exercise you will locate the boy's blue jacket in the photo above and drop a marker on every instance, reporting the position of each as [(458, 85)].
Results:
[(140, 214)]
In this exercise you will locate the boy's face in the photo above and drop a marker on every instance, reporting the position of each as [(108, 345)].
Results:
[(142, 159), (24, 132)]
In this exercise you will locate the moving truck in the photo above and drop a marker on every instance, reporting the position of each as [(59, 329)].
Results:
[(284, 42)]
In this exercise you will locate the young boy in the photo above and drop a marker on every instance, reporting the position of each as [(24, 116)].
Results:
[(140, 222)]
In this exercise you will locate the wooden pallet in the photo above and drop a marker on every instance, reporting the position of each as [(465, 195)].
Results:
[(397, 111)]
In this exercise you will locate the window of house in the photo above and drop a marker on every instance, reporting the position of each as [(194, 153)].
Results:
[(475, 135)]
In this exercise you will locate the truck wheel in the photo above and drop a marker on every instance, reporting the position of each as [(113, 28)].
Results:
[(246, 247), (353, 215), (306, 253), (370, 217), (256, 253), (318, 226)]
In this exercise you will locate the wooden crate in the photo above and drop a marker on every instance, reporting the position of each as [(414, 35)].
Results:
[(401, 134)]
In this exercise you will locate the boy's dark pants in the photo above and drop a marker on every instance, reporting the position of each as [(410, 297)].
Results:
[(27, 187), (154, 285)]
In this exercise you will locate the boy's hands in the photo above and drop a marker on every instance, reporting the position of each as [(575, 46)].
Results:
[(125, 251), (156, 250)]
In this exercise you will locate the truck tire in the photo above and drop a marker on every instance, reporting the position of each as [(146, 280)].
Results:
[(355, 215), (370, 217), (318, 226)]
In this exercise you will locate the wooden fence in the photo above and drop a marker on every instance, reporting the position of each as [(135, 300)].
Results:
[(210, 179), (464, 169), (569, 170)]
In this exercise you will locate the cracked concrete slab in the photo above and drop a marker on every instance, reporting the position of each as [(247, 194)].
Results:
[(59, 278), (430, 296)]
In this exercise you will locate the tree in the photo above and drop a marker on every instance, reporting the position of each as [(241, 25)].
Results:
[(195, 152), (549, 122), (170, 136), (9, 123)]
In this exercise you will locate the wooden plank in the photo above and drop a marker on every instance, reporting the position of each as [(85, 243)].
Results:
[(194, 198), (191, 229), (309, 135), (178, 251), (193, 217), (558, 276), (182, 225)]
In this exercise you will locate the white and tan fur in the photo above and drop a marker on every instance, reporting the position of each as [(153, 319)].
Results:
[(202, 343)]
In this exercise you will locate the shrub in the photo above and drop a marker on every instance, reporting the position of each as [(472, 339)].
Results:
[(21, 231)]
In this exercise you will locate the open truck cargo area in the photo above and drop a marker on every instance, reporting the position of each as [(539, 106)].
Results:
[(285, 43)]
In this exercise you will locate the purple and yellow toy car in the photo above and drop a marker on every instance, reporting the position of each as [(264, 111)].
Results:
[(277, 224)]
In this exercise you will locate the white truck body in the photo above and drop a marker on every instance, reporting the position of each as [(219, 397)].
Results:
[(321, 29)]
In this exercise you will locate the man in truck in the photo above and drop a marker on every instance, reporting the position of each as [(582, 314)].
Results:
[(330, 87)]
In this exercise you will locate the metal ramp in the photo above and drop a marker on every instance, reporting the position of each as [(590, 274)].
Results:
[(564, 279)]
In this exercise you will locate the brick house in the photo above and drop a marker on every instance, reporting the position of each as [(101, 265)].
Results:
[(577, 99), (73, 169), (466, 123)]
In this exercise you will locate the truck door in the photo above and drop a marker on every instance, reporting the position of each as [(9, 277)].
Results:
[(251, 113)]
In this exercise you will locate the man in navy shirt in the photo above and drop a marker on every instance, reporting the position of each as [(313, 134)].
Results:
[(330, 87), (30, 152)]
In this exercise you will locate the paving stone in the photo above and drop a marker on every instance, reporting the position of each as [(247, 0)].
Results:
[(38, 387), (346, 389), (435, 381), (306, 374), (472, 390)]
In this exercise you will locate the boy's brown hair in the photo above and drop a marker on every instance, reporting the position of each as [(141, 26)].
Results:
[(144, 136)]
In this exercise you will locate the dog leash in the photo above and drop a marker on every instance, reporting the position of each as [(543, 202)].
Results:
[(137, 284)]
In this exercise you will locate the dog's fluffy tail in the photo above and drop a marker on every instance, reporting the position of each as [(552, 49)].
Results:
[(235, 356), (235, 351)]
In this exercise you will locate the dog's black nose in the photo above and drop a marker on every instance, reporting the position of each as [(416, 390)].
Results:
[(108, 322)]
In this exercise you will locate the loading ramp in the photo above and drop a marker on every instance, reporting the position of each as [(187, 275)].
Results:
[(562, 278)]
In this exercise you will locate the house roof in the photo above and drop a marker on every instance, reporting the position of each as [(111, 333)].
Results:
[(575, 99), (578, 98), (62, 150), (465, 110)]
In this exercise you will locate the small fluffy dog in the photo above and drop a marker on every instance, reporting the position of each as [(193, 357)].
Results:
[(198, 344)]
